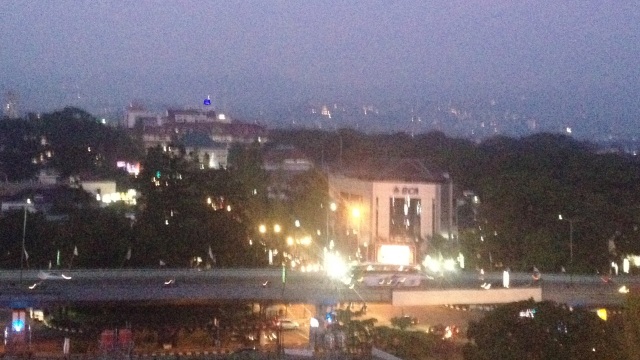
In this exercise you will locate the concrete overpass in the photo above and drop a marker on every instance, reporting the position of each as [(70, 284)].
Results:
[(35, 288)]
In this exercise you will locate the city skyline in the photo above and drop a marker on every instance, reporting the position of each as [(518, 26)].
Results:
[(261, 59)]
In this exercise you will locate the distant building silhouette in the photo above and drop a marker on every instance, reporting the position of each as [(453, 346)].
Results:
[(10, 105)]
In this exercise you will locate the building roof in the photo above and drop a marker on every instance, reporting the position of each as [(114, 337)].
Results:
[(200, 140), (282, 153), (286, 157), (240, 129), (407, 170), (208, 113), (235, 129)]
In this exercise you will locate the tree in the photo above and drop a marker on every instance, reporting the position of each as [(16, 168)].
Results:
[(245, 167), (631, 320), (543, 330), (523, 184), (185, 210), (78, 143), (309, 202), (358, 332)]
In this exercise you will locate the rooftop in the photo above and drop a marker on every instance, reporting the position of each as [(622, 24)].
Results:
[(408, 170)]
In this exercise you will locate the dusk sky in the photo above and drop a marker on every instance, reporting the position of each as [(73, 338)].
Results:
[(102, 53)]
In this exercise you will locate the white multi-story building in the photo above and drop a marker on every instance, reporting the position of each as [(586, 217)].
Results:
[(404, 204), (146, 118), (206, 152)]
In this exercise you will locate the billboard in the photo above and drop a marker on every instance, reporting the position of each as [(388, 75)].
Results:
[(395, 254)]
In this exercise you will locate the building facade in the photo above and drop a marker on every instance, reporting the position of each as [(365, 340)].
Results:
[(383, 217)]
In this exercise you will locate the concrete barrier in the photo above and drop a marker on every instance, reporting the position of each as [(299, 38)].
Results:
[(440, 297)]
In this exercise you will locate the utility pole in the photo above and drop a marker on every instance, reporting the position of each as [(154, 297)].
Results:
[(24, 232), (571, 221)]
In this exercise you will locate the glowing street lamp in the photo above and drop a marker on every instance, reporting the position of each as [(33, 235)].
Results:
[(570, 246), (570, 237), (332, 208), (262, 229), (277, 228)]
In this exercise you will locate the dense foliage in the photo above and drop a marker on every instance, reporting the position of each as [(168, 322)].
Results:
[(186, 214), (523, 186), (413, 345), (69, 141), (543, 330)]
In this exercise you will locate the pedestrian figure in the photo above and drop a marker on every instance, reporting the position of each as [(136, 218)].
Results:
[(505, 278), (536, 275)]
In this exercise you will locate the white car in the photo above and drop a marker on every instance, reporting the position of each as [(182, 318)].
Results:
[(286, 324)]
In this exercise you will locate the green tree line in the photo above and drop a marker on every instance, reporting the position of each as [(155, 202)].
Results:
[(523, 185)]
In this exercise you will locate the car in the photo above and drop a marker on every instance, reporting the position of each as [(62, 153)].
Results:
[(438, 330), (410, 319), (169, 283), (287, 324), (444, 332)]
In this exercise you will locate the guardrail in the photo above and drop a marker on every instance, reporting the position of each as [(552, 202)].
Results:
[(14, 275)]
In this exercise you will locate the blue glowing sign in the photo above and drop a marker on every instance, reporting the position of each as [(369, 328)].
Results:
[(17, 325), (207, 102), (18, 320)]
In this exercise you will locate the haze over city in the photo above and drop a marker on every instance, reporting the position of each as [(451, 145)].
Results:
[(417, 65)]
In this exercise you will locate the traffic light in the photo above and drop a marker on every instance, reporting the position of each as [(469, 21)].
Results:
[(158, 174)]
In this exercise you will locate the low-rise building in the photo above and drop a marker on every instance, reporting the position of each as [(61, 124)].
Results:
[(206, 152)]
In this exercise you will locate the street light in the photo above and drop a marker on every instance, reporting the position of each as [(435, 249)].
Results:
[(356, 214), (570, 237), (570, 247), (332, 207), (270, 241), (24, 232)]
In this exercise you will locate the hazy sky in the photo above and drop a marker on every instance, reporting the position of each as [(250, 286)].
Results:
[(178, 52)]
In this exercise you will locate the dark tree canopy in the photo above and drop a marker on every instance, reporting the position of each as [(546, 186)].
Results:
[(523, 186), (19, 147), (542, 330)]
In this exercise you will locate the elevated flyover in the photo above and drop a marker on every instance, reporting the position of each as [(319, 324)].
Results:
[(36, 288)]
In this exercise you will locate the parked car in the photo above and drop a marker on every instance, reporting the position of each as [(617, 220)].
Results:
[(412, 320), (444, 332), (438, 330), (287, 324)]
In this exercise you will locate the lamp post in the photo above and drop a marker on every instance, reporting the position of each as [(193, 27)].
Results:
[(570, 245), (24, 232), (331, 208), (356, 215), (270, 241)]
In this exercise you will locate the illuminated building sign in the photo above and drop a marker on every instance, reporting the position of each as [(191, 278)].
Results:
[(406, 190), (18, 321), (395, 254)]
